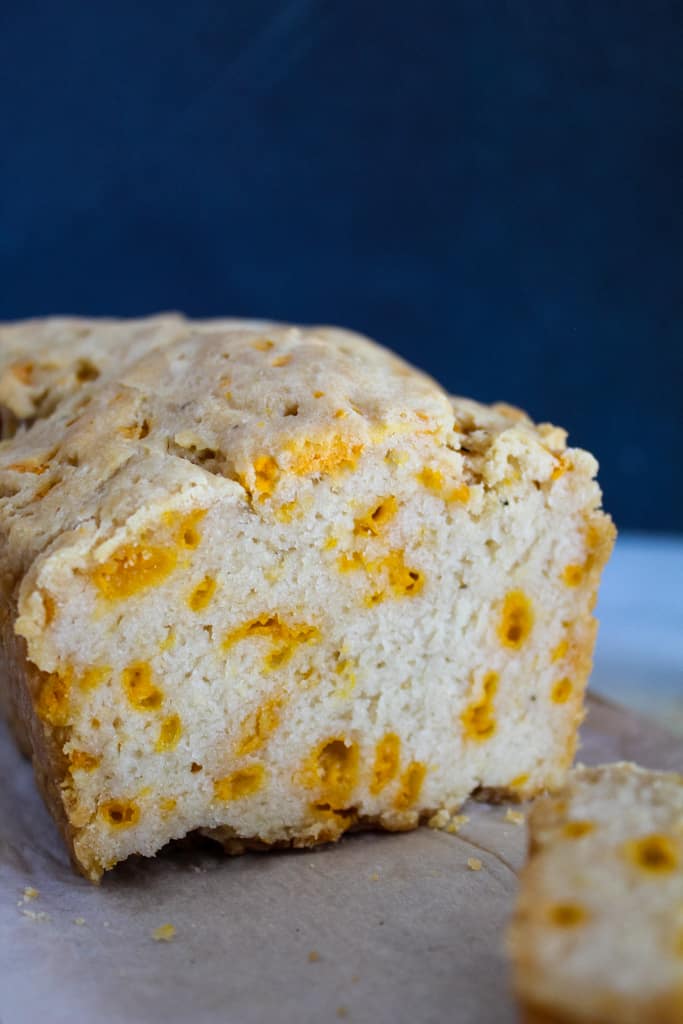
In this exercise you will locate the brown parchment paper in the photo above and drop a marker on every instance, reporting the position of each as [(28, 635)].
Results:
[(391, 928)]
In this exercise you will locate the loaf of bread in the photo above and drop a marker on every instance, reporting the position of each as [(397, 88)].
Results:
[(597, 936), (273, 584)]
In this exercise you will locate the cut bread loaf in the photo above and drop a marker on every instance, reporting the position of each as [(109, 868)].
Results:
[(597, 935), (274, 583)]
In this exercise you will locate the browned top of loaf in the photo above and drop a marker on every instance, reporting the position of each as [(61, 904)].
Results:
[(106, 412)]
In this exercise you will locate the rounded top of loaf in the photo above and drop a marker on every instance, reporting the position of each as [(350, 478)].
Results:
[(105, 417)]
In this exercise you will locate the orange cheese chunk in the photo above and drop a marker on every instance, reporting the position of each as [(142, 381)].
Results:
[(92, 676), (387, 762), (403, 580), (324, 455), (169, 734), (54, 697), (435, 481), (168, 643), (332, 769), (478, 719), (202, 594), (560, 651), (120, 814), (376, 518), (561, 691), (410, 786), (184, 527), (81, 760), (259, 726), (284, 637), (578, 828), (390, 575), (567, 915), (573, 574), (266, 476), (519, 781), (563, 466), (517, 620), (240, 783), (654, 854), (139, 687), (133, 568)]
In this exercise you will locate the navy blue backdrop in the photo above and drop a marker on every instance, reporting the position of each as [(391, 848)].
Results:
[(493, 188)]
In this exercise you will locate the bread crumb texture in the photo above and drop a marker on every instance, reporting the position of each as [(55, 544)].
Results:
[(514, 817), (596, 934), (272, 583)]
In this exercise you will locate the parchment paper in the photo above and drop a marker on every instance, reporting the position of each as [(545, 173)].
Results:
[(379, 928)]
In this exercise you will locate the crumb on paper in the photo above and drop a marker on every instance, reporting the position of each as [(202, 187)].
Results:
[(440, 819), (164, 933), (30, 893), (34, 915), (514, 817), (79, 920), (355, 979), (374, 877), (447, 822), (314, 956), (342, 1011), (474, 864)]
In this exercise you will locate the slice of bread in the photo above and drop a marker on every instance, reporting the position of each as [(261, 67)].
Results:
[(597, 935), (274, 583)]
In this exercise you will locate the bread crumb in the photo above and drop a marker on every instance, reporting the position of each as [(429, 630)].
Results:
[(36, 916), (440, 819), (374, 877), (474, 864), (314, 956), (342, 1012), (30, 893), (79, 920), (514, 817), (164, 933), (447, 822)]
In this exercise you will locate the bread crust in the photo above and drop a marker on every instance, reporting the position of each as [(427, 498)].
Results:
[(36, 740), (657, 1011)]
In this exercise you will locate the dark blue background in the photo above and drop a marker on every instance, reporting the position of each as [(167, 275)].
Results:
[(493, 188)]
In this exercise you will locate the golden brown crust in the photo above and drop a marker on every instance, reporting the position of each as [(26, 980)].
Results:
[(656, 1011), (35, 739), (235, 846), (539, 1015)]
